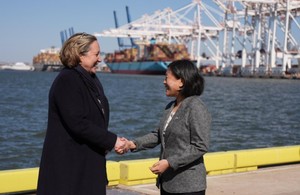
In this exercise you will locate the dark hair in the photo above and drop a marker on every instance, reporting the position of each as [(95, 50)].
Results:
[(193, 81)]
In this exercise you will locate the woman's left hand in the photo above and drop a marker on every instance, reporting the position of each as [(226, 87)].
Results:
[(160, 167)]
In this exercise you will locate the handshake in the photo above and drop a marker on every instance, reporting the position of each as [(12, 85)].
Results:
[(123, 145)]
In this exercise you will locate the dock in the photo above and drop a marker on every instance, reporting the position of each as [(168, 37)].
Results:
[(277, 180), (261, 171)]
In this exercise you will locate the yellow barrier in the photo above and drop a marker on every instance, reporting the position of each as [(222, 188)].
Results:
[(23, 180), (219, 161), (113, 173), (18, 180), (133, 172), (247, 160), (267, 156)]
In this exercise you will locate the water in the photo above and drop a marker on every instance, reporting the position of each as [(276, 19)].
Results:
[(247, 113)]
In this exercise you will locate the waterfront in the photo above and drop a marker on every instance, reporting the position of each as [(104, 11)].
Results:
[(247, 113)]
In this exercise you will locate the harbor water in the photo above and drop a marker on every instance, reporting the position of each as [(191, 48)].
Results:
[(247, 113)]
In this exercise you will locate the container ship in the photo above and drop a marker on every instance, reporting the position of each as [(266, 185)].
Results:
[(47, 60), (147, 58), (241, 38)]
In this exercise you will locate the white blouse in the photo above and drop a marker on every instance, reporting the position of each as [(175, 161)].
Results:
[(168, 121)]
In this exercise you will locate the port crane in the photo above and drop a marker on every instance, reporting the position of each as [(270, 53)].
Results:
[(64, 34), (265, 33), (257, 36), (180, 26)]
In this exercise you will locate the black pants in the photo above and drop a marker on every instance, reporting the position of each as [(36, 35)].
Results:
[(162, 192)]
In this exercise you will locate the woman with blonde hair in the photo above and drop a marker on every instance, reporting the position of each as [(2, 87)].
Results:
[(77, 137)]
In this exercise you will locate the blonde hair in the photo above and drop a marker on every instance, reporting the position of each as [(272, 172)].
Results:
[(76, 46)]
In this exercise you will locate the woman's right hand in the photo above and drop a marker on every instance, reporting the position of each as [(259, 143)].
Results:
[(121, 145), (130, 145), (124, 146)]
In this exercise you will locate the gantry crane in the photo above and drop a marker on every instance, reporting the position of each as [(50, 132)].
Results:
[(265, 32), (259, 36)]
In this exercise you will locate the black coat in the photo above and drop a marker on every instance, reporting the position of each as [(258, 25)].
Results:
[(77, 139)]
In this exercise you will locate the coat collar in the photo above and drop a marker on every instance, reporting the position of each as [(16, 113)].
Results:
[(95, 89), (179, 114)]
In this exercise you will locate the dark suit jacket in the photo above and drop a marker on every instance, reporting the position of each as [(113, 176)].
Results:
[(185, 142), (73, 159)]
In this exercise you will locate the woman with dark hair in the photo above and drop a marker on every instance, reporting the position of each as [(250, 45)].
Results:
[(77, 137), (183, 133)]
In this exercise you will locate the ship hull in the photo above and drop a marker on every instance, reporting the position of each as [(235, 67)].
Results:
[(19, 66), (142, 67)]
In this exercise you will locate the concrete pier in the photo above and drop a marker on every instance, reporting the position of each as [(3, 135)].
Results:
[(261, 171), (278, 180)]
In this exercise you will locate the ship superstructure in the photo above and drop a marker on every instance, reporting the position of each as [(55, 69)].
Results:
[(47, 60)]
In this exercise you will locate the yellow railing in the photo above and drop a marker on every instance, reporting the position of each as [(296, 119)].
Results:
[(134, 172)]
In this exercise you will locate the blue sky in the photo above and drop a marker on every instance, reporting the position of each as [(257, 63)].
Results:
[(27, 26)]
